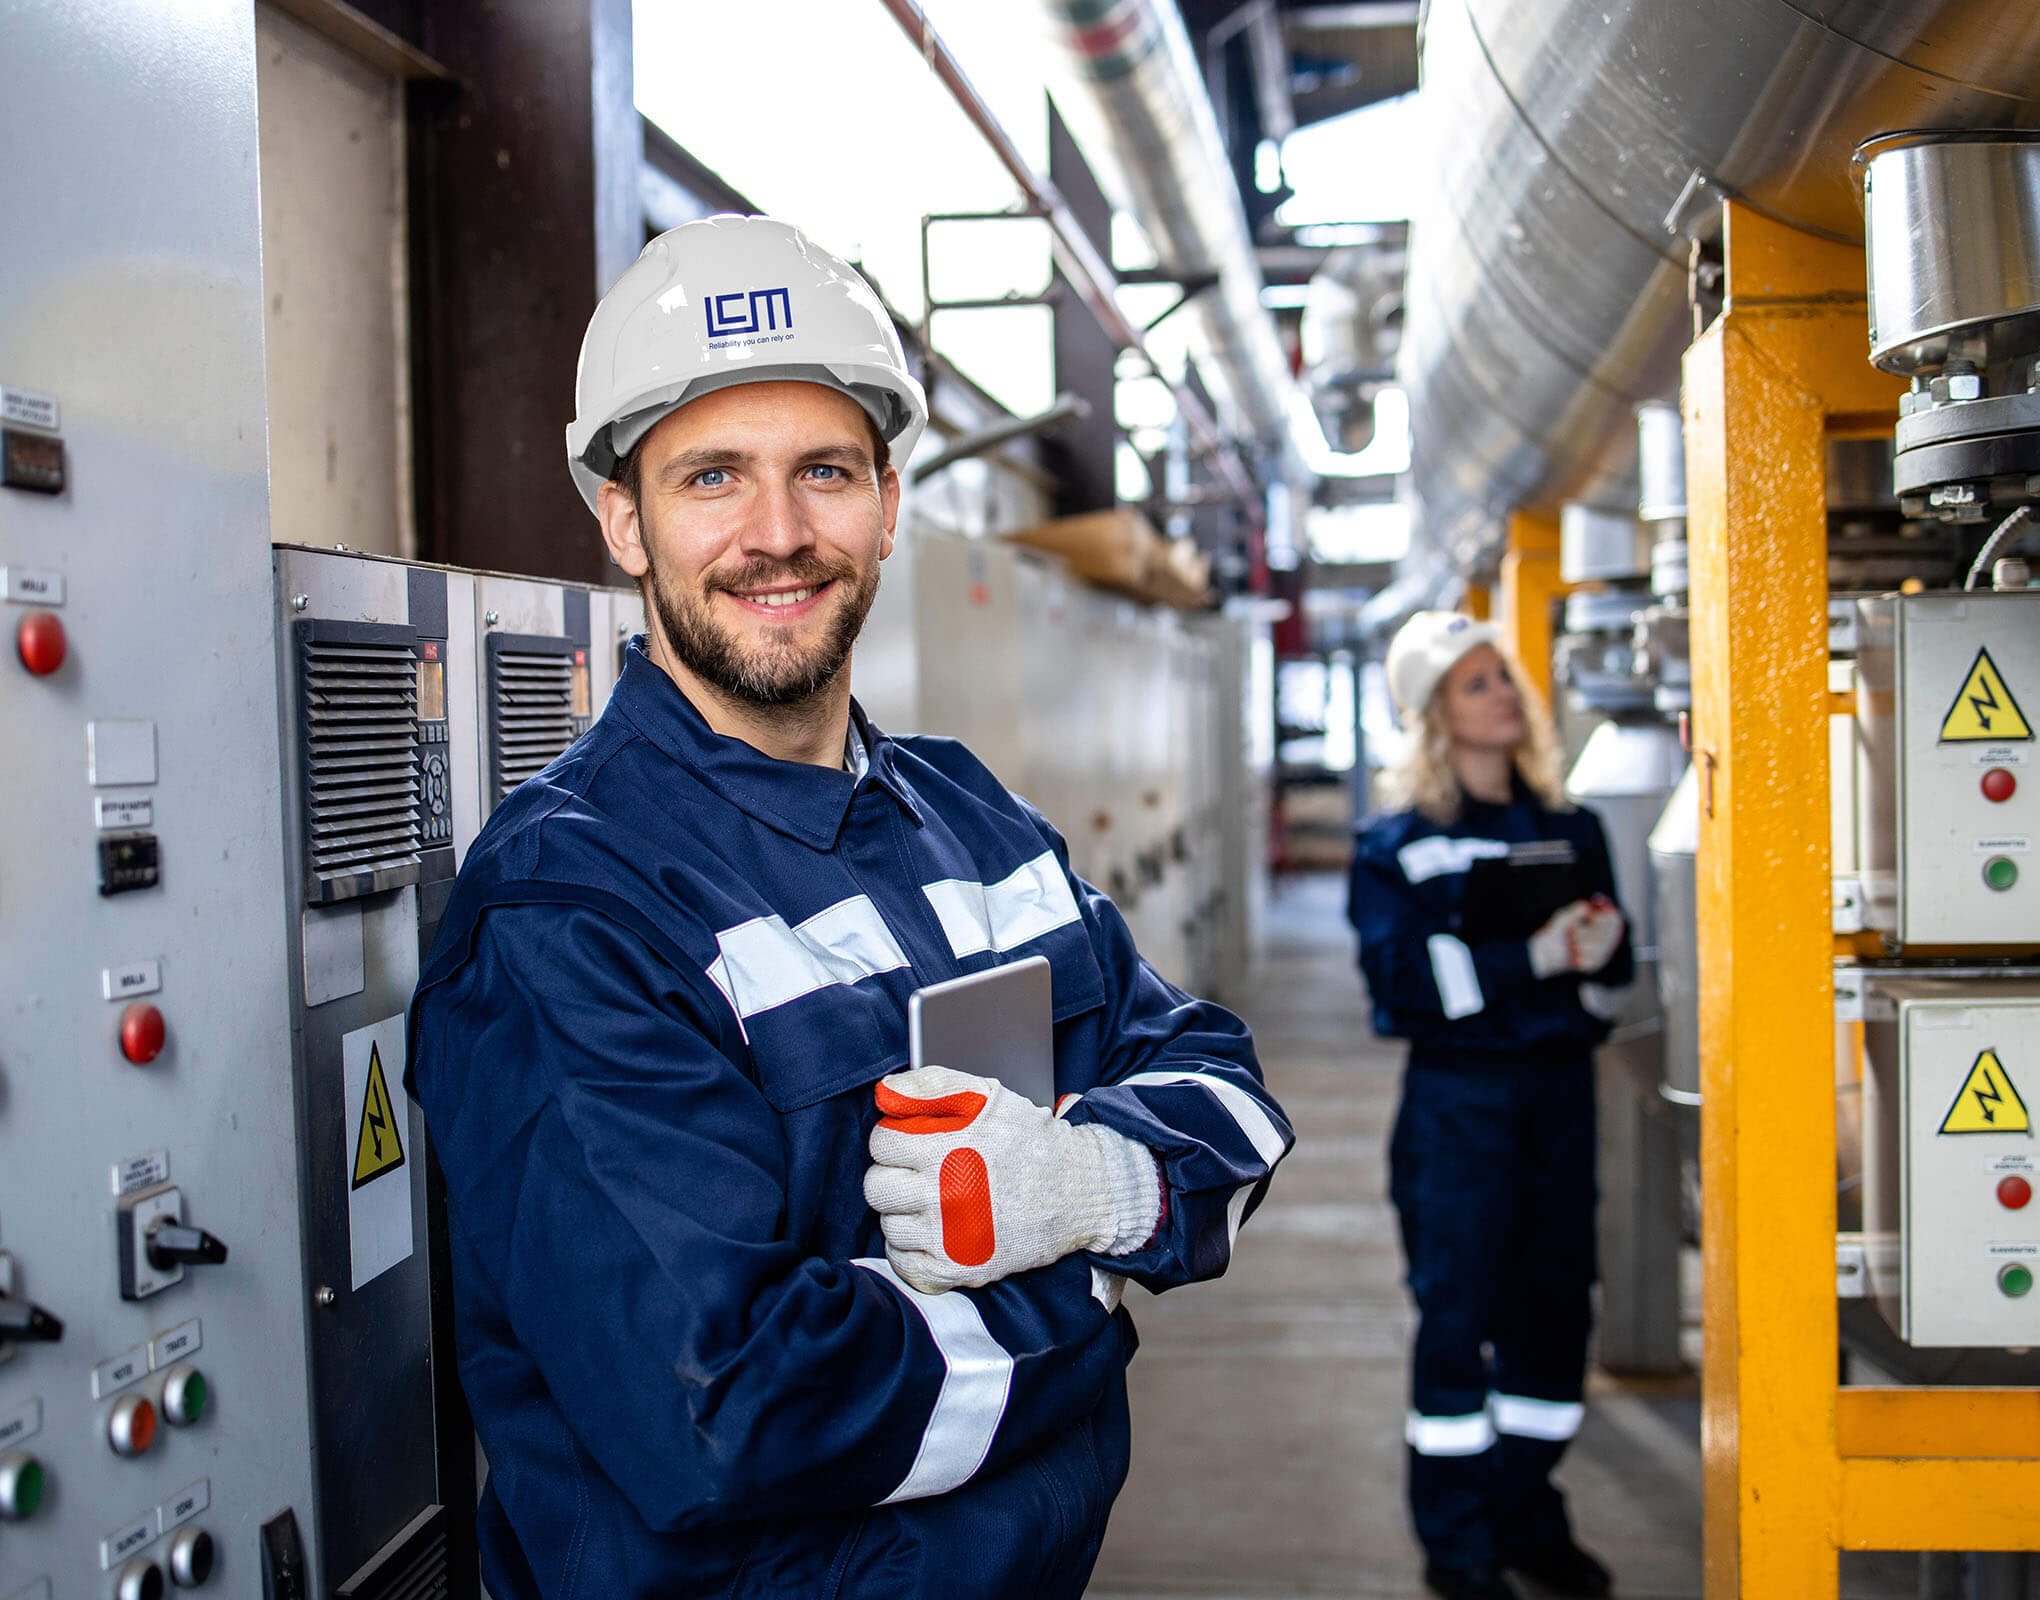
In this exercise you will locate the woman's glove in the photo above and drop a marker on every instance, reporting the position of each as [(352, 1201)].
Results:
[(973, 1183), (1580, 937)]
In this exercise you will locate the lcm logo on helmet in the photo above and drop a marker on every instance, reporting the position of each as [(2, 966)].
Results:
[(748, 311)]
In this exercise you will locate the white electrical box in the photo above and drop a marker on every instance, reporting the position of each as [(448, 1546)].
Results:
[(1948, 690), (1951, 1160)]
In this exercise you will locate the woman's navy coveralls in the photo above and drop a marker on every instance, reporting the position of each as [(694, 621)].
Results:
[(1491, 1171), (645, 1044)]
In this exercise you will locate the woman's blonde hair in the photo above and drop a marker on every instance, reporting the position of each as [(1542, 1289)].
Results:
[(1426, 779)]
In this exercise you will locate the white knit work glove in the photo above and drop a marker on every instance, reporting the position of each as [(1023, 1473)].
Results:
[(1577, 938), (973, 1183)]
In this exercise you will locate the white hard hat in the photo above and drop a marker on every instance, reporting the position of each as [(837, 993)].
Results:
[(732, 300), (1428, 646)]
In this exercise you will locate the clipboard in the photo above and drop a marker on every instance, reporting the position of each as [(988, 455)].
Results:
[(1512, 896)]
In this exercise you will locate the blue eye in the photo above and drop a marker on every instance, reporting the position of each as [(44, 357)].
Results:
[(711, 477), (825, 467)]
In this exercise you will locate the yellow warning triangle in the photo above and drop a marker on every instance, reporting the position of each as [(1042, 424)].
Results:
[(1984, 710), (380, 1147), (1988, 1103)]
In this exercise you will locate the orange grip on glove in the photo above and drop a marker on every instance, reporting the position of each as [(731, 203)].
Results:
[(973, 1182)]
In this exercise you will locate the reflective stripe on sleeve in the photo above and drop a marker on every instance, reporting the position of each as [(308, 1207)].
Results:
[(1242, 1107), (1032, 900), (765, 964), (972, 1400), (1452, 967), (1536, 1419), (1450, 1436)]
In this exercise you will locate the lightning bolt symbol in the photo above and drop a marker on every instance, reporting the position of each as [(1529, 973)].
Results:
[(1984, 701), (1988, 1096)]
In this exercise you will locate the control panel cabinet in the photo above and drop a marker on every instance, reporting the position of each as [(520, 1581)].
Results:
[(1948, 791), (1951, 1162), (378, 787), (154, 1397)]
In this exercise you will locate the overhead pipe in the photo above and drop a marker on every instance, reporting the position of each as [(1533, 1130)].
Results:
[(1088, 272), (1137, 61)]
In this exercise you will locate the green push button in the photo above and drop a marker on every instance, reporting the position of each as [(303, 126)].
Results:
[(2001, 872), (2015, 1280), (184, 1395), (21, 1486)]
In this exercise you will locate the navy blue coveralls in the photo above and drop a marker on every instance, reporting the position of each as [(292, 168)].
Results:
[(1491, 1171), (645, 1044)]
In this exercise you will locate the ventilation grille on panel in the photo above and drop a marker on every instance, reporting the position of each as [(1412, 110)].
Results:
[(358, 726), (531, 706), (412, 1566)]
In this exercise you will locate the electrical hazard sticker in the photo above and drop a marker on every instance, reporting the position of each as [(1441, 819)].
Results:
[(380, 1146), (1988, 1103), (1984, 710), (374, 1167)]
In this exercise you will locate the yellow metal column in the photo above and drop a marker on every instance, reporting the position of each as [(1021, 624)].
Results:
[(1530, 582), (1781, 368)]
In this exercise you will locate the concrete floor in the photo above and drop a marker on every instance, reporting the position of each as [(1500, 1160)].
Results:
[(1282, 1387)]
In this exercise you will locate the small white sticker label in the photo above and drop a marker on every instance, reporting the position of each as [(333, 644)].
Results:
[(2005, 844), (27, 587), (185, 1504), (39, 1590), (137, 977), (20, 1425), (2012, 1163), (117, 1372), (2013, 1247), (117, 1546), (111, 811), (120, 753), (144, 1171), (2000, 755), (28, 408), (181, 1341)]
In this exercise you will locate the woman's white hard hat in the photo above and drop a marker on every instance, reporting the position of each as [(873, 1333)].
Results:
[(1427, 647), (732, 300)]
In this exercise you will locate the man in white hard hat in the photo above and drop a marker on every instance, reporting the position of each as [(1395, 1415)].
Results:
[(744, 1310)]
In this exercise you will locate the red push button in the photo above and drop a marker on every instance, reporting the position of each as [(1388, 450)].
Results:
[(1999, 784), (131, 1426), (39, 641), (2014, 1193), (141, 1033)]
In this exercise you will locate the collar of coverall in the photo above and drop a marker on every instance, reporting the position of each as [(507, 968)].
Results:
[(796, 798)]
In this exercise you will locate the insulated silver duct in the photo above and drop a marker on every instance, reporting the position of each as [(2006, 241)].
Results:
[(1577, 143), (1137, 61)]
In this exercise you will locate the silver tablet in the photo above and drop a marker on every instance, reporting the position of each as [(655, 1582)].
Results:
[(995, 1024)]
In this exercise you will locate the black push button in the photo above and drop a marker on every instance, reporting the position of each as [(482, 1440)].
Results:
[(129, 861)]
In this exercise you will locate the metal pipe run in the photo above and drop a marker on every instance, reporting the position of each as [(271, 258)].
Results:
[(1089, 272)]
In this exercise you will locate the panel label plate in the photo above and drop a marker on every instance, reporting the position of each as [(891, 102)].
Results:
[(20, 1425), (110, 812), (29, 409), (184, 1340), (28, 587), (140, 1172), (124, 983), (117, 1372), (373, 1161), (118, 1545), (185, 1504)]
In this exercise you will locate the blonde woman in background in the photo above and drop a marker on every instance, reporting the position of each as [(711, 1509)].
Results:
[(1489, 938)]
